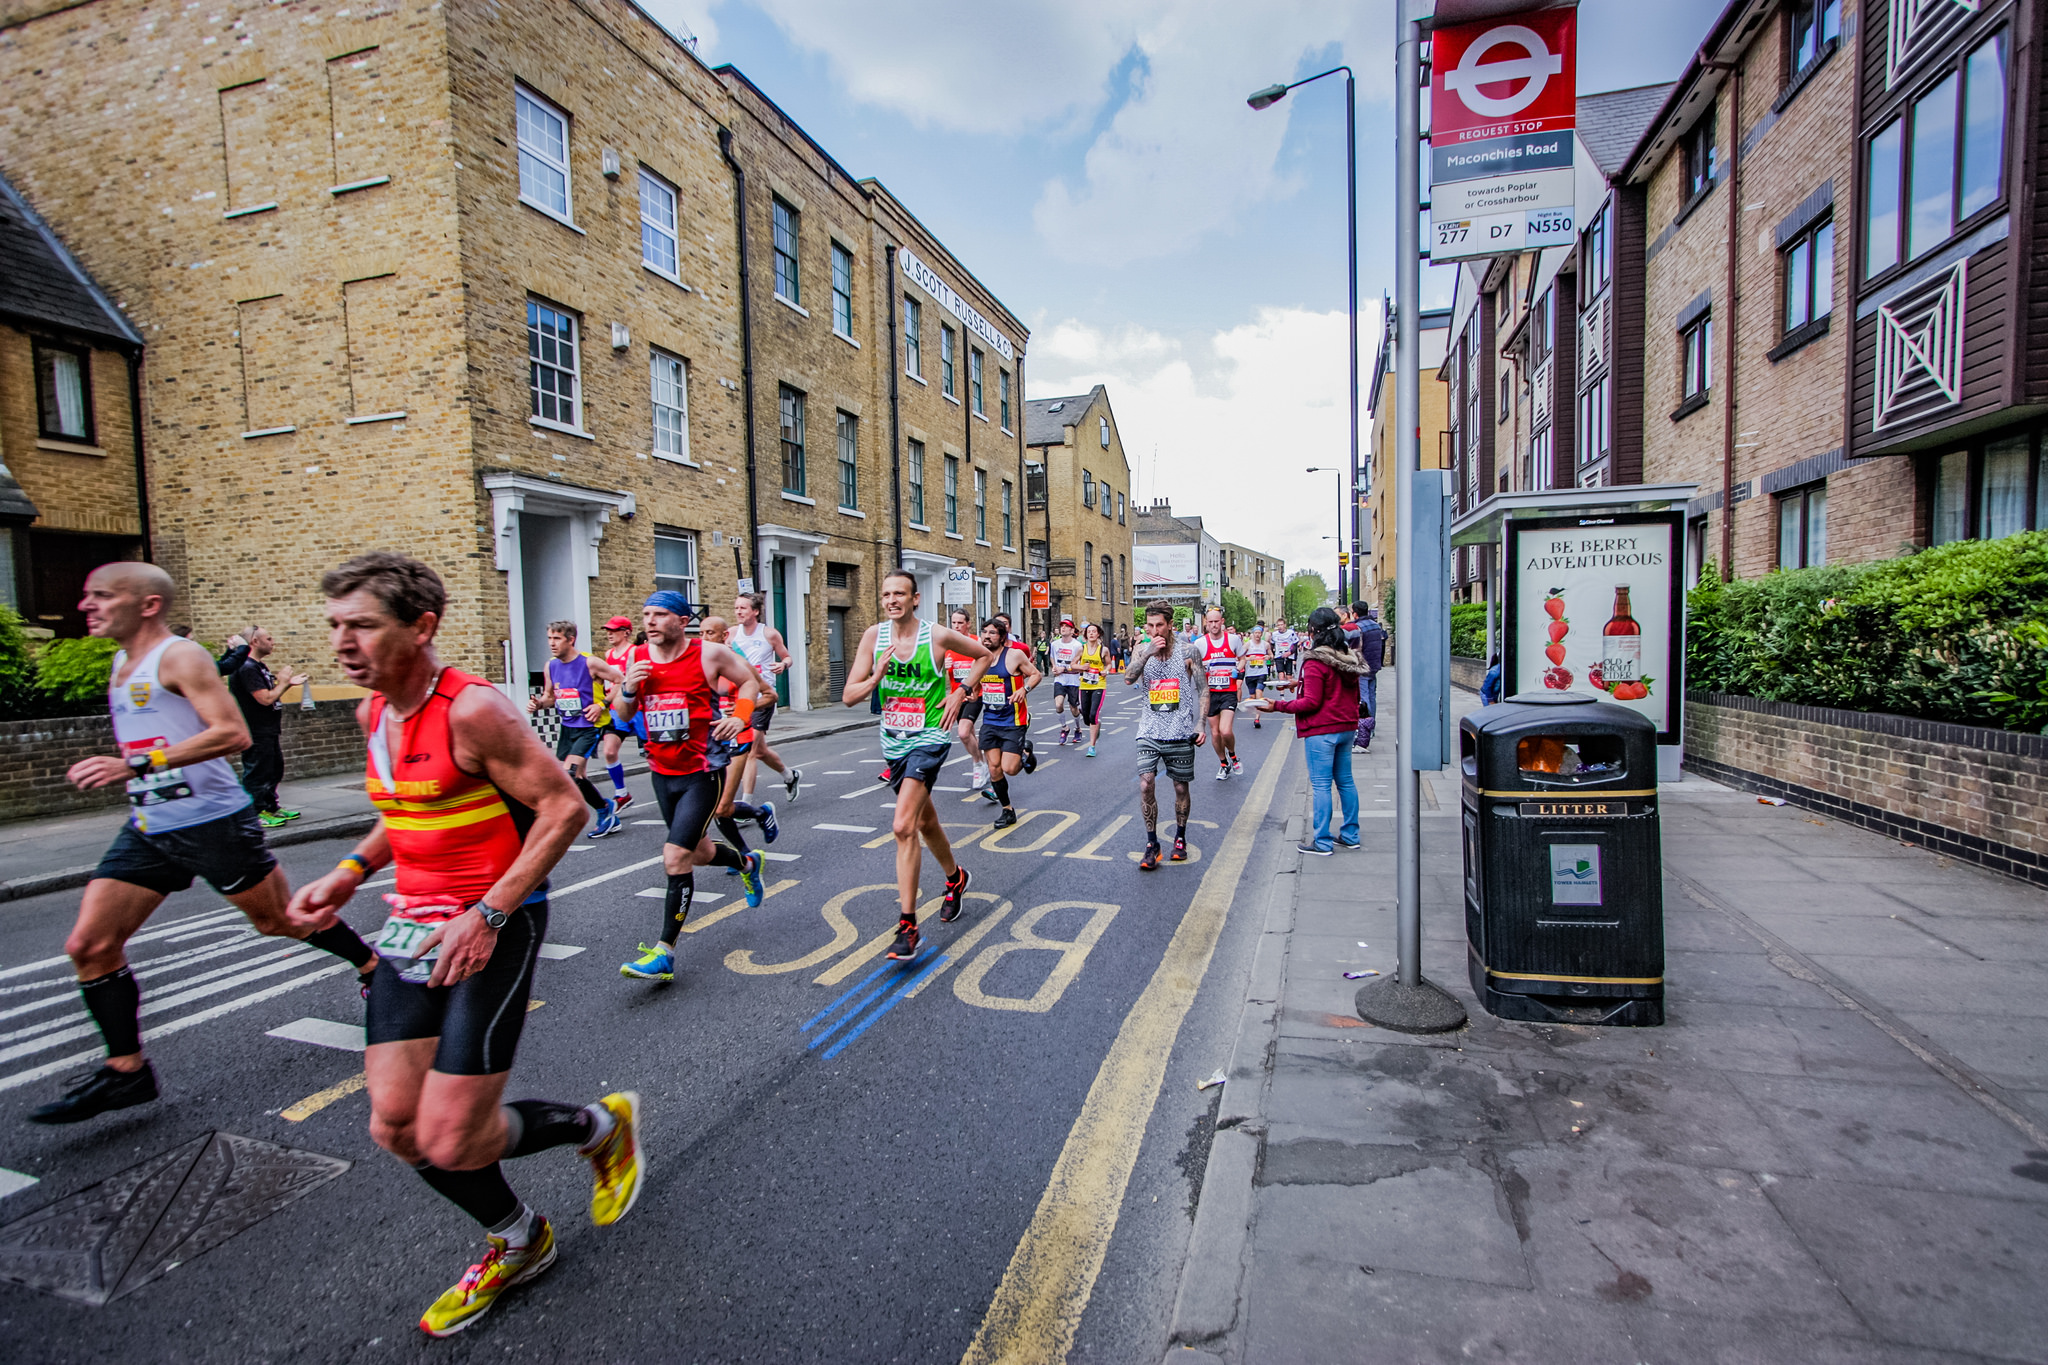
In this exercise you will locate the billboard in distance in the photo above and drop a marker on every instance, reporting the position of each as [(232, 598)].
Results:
[(1160, 565), (1503, 108)]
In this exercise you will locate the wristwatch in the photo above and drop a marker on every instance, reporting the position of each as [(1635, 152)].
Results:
[(494, 918)]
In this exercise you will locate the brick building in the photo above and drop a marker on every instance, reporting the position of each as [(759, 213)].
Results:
[(1175, 558), (71, 491), (1379, 502), (464, 280), (1083, 531), (1261, 577)]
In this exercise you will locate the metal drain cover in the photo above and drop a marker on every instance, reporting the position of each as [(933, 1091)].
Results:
[(112, 1238)]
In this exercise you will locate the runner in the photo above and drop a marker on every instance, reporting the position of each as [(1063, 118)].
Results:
[(919, 710), (726, 758), (175, 723), (1170, 729), (1006, 718), (958, 667), (761, 645), (575, 692), (670, 679), (1222, 651), (1285, 642), (1092, 663), (620, 632), (1066, 681), (1256, 649), (474, 817)]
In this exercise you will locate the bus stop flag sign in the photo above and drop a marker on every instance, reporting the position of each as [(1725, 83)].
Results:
[(1503, 104)]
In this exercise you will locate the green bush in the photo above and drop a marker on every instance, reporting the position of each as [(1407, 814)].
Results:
[(77, 670), (1238, 612), (1957, 633), (17, 665), (1468, 629)]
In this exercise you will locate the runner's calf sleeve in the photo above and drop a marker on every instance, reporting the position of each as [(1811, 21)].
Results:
[(1001, 787), (742, 811), (590, 796), (344, 943), (115, 1001), (729, 826), (482, 1194), (722, 856), (536, 1125), (675, 906), (617, 773)]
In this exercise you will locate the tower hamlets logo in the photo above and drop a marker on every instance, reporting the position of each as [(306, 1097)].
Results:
[(1534, 68)]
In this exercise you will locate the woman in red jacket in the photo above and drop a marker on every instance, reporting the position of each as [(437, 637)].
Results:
[(1326, 717)]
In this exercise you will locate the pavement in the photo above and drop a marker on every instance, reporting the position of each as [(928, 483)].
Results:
[(1835, 1149), (59, 853)]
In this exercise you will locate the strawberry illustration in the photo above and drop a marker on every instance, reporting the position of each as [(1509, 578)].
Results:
[(1554, 604), (1554, 653), (1559, 629)]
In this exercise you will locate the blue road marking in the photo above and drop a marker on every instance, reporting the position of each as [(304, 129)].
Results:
[(813, 1020), (855, 1008), (891, 1003)]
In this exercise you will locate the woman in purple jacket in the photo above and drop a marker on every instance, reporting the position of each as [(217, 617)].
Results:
[(1326, 718)]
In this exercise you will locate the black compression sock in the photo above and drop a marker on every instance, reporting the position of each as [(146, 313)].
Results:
[(729, 826), (536, 1125), (115, 1003), (722, 856), (1180, 832), (483, 1195), (344, 943), (741, 810), (1001, 787), (675, 906), (590, 796)]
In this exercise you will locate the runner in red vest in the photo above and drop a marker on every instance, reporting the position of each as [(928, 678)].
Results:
[(473, 813)]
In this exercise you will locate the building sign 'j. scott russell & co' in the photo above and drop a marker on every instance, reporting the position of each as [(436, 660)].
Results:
[(1503, 102)]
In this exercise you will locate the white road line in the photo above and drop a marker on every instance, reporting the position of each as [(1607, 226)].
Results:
[(662, 823), (555, 952), (36, 1073), (282, 963), (943, 788), (780, 857), (848, 753), (606, 876), (579, 848), (175, 927), (322, 1033), (14, 1182), (157, 966), (655, 893), (847, 829), (837, 772), (856, 792)]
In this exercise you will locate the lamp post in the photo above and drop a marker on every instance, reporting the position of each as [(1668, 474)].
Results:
[(1266, 99), (1339, 537)]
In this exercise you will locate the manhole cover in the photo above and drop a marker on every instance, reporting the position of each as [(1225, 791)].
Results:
[(112, 1238)]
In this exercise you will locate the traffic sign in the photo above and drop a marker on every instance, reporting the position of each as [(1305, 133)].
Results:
[(1503, 109), (959, 585)]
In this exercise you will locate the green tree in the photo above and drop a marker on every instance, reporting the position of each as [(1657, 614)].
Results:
[(1306, 591), (1238, 612), (1387, 604)]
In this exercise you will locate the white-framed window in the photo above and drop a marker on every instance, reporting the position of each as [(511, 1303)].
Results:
[(1120, 509), (974, 380), (788, 224), (1809, 268), (913, 338), (917, 482), (669, 394), (1939, 163), (1102, 431), (543, 154), (551, 365), (953, 494), (849, 461), (1803, 527), (946, 361), (1106, 500), (1003, 395), (1088, 569), (1696, 349), (658, 225), (981, 505), (842, 291), (64, 392), (792, 405), (675, 561), (1595, 420), (1087, 489)]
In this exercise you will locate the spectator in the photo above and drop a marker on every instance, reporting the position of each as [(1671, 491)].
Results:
[(1372, 652), (1489, 686), (236, 656), (1326, 718), (261, 696)]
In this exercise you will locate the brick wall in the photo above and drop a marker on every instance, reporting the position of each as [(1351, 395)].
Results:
[(1972, 794), (34, 755)]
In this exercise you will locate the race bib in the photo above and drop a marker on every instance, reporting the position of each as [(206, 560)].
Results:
[(1091, 677), (1222, 678), (1256, 663), (993, 692), (568, 701), (155, 788), (960, 672), (668, 718), (903, 715), (412, 919), (1164, 695)]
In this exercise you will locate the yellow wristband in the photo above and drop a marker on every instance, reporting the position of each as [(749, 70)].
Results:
[(353, 864), (159, 759)]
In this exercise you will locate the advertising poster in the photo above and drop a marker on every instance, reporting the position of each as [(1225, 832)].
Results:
[(1503, 107), (1161, 565), (1593, 605)]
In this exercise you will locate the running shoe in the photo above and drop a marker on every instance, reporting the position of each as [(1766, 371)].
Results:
[(1150, 862), (615, 1160), (977, 777), (769, 829), (654, 964), (750, 878), (792, 782), (608, 822), (283, 814), (1347, 843), (1255, 722), (955, 899), (988, 794), (1236, 766), (1223, 772), (270, 819), (1316, 849), (1089, 752), (478, 1289), (907, 941), (1180, 851), (1030, 758), (98, 1092), (1006, 819), (621, 801)]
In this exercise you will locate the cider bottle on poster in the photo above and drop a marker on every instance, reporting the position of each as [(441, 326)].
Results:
[(1621, 644)]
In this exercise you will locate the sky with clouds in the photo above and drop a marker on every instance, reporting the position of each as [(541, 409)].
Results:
[(1094, 163)]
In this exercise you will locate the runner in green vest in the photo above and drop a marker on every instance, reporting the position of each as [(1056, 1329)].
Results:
[(900, 656)]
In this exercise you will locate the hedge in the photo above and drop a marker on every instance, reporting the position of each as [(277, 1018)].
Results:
[(53, 678), (1956, 633)]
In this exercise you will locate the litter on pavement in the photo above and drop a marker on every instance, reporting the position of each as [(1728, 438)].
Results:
[(1212, 1082)]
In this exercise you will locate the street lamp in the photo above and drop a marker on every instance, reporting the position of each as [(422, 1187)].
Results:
[(1266, 99), (1339, 537)]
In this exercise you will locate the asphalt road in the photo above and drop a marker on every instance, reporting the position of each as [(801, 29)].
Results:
[(842, 1162)]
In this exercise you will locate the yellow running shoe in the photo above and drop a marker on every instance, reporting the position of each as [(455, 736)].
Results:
[(501, 1268), (615, 1161)]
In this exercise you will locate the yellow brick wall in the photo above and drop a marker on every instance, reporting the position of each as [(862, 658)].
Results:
[(73, 490)]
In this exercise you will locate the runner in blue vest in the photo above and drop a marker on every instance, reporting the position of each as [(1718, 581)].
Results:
[(575, 693)]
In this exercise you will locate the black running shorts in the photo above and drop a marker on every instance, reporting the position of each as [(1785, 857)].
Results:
[(229, 852), (970, 710), (1091, 705), (576, 741), (1219, 702), (686, 805), (764, 711), (919, 765), (478, 1019), (1003, 739)]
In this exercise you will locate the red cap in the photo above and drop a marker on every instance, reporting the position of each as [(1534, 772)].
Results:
[(618, 623)]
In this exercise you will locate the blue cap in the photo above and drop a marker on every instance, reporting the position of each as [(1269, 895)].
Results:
[(670, 600)]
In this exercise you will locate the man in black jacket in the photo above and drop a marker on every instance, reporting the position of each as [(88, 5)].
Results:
[(258, 692), (1372, 651)]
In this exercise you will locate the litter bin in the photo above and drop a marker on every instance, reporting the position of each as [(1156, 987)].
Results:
[(1564, 869)]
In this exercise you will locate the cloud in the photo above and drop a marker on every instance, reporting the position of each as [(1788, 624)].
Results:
[(687, 19), (1225, 425)]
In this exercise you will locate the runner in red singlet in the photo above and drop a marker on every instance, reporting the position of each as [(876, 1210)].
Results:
[(959, 667), (619, 633), (473, 813)]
